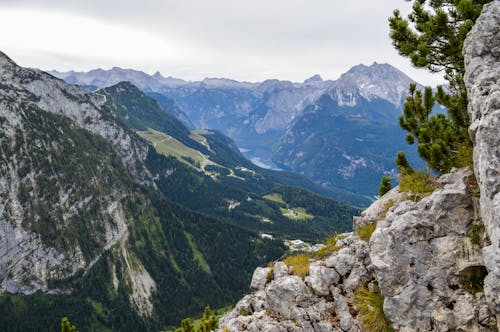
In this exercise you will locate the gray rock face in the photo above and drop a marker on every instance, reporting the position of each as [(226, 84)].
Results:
[(371, 82), (320, 278), (55, 96), (423, 258), (320, 302), (379, 208), (40, 188), (259, 278), (22, 251), (482, 58)]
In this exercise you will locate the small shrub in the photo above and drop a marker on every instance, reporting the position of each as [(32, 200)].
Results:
[(270, 274), (475, 233), (66, 326), (403, 164), (371, 311), (329, 246), (245, 313), (388, 205), (365, 232), (464, 156), (473, 186), (225, 329), (385, 185), (299, 264), (418, 184)]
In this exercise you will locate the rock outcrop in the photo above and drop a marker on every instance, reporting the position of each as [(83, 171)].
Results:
[(322, 301), (420, 256), (426, 265), (482, 60)]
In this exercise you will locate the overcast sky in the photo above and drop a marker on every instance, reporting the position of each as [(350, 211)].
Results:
[(248, 40)]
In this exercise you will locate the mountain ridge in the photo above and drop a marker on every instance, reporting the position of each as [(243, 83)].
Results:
[(84, 225), (263, 118)]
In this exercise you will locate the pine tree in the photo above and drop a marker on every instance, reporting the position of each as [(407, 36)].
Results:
[(66, 325), (385, 185), (432, 37), (187, 325), (208, 321), (403, 164)]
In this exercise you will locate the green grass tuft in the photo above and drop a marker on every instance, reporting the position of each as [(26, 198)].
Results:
[(472, 278), (371, 312), (299, 264), (270, 274), (475, 233), (418, 184), (365, 232), (473, 186), (387, 206), (245, 313), (329, 246)]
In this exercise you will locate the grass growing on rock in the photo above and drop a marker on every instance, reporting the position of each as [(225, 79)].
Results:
[(330, 246), (299, 264), (365, 232), (388, 205), (275, 198), (371, 313), (270, 274), (417, 184), (476, 233), (473, 186)]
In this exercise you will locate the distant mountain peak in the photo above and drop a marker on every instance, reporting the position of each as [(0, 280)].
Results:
[(4, 59), (379, 80), (314, 78), (158, 75)]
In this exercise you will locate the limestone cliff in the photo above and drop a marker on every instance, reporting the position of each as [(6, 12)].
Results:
[(427, 257), (66, 166), (482, 78)]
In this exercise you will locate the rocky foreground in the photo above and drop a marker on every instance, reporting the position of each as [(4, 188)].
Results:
[(420, 256), (428, 258)]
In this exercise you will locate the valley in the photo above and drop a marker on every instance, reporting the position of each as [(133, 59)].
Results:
[(214, 197), (341, 134), (133, 219)]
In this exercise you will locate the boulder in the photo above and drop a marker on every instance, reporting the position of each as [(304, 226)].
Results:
[(320, 278), (259, 278), (421, 253)]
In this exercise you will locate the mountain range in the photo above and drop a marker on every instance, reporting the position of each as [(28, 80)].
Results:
[(340, 134), (117, 215)]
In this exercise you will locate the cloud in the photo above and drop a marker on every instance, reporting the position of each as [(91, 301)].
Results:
[(242, 39)]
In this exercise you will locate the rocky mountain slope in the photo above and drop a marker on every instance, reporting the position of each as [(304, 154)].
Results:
[(284, 124), (425, 265), (86, 233), (349, 136), (55, 157), (213, 177)]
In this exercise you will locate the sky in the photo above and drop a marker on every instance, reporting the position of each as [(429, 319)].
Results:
[(250, 40)]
